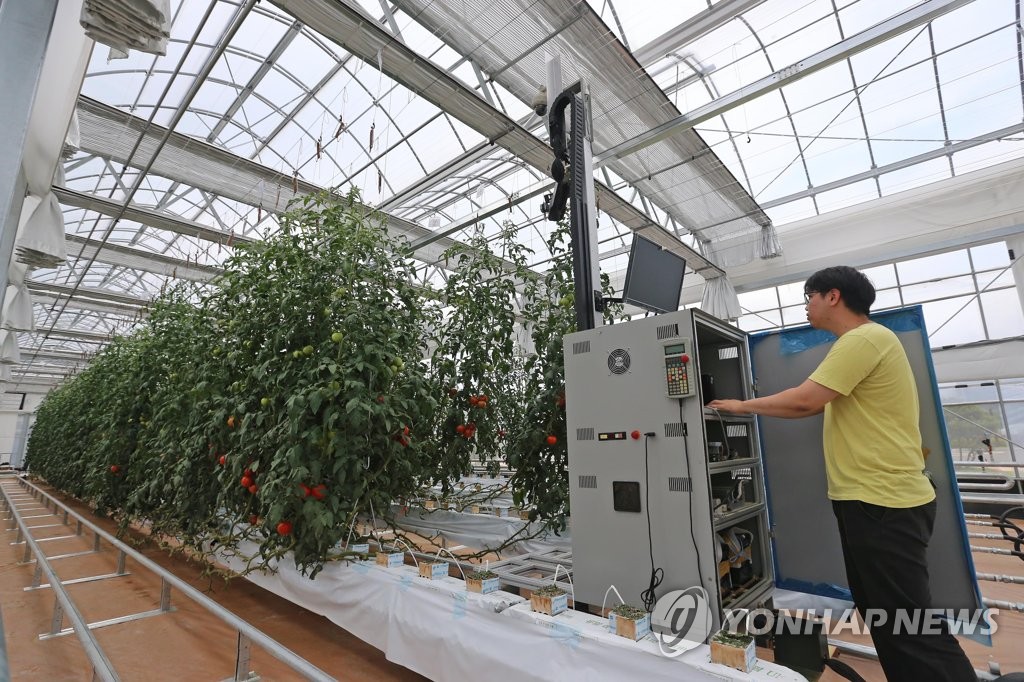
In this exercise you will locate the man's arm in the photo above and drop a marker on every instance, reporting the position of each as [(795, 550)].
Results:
[(805, 400)]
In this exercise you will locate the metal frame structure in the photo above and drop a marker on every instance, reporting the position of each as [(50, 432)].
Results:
[(65, 607), (226, 105)]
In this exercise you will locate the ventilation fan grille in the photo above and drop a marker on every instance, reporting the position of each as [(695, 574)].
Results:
[(618, 361), (588, 481)]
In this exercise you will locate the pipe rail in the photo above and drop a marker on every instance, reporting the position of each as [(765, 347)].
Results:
[(101, 666), (247, 633)]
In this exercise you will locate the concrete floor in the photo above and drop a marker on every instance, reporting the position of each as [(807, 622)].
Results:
[(192, 644)]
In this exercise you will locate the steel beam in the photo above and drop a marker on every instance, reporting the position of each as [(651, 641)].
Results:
[(80, 303), (137, 259), (146, 216), (692, 29), (917, 15)]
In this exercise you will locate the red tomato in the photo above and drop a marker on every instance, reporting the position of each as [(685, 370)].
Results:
[(254, 488), (114, 468), (318, 491), (552, 440), (254, 520), (246, 481), (461, 428), (284, 528), (222, 459), (306, 490)]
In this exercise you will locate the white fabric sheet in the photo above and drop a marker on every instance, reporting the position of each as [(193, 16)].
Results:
[(441, 631)]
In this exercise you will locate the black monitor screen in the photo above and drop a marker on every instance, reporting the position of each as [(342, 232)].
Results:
[(654, 277)]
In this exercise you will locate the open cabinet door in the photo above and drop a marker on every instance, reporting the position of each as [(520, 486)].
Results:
[(805, 538)]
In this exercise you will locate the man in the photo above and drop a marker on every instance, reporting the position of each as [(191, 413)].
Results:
[(883, 502)]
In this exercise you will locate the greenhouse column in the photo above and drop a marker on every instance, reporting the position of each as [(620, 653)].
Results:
[(25, 27), (1016, 244)]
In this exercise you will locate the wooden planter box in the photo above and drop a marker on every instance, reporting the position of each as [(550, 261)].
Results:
[(485, 586), (391, 559), (430, 504), (551, 605), (733, 650), (362, 547), (434, 570), (630, 629)]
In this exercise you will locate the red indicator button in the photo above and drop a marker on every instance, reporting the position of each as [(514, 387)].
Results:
[(684, 358), (635, 435)]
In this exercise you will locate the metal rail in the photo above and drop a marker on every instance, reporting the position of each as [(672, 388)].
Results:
[(247, 633), (101, 666)]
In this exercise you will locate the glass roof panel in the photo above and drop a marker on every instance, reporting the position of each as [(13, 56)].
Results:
[(848, 195), (987, 154), (915, 176), (981, 85)]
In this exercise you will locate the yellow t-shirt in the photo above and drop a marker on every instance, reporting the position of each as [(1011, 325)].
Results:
[(872, 437)]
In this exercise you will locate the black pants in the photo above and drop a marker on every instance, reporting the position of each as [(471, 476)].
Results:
[(885, 553)]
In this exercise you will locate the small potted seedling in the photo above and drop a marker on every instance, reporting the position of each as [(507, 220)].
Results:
[(361, 545), (549, 599), (390, 559), (482, 581), (629, 622), (433, 570), (733, 649)]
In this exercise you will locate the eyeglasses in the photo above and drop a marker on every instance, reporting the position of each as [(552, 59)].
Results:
[(808, 295)]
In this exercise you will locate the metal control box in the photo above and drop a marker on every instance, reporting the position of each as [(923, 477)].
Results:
[(674, 495)]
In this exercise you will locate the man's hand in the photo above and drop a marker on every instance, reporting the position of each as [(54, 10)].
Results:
[(733, 406)]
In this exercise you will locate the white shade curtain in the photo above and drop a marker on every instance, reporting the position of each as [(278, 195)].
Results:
[(142, 25), (720, 299)]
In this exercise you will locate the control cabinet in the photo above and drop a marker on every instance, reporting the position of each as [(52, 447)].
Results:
[(652, 472)]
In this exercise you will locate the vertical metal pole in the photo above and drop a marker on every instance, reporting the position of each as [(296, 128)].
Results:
[(121, 556), (65, 517), (78, 526), (242, 659), (28, 553), (58, 617), (96, 543), (21, 535), (24, 34), (165, 595), (37, 576)]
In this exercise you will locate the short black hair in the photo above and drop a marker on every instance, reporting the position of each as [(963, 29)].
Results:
[(857, 291)]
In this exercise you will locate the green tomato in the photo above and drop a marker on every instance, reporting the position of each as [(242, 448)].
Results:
[(264, 401), (394, 369), (336, 337), (307, 350), (297, 354), (216, 351)]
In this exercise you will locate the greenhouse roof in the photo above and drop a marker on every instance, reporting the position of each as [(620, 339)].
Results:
[(713, 122)]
